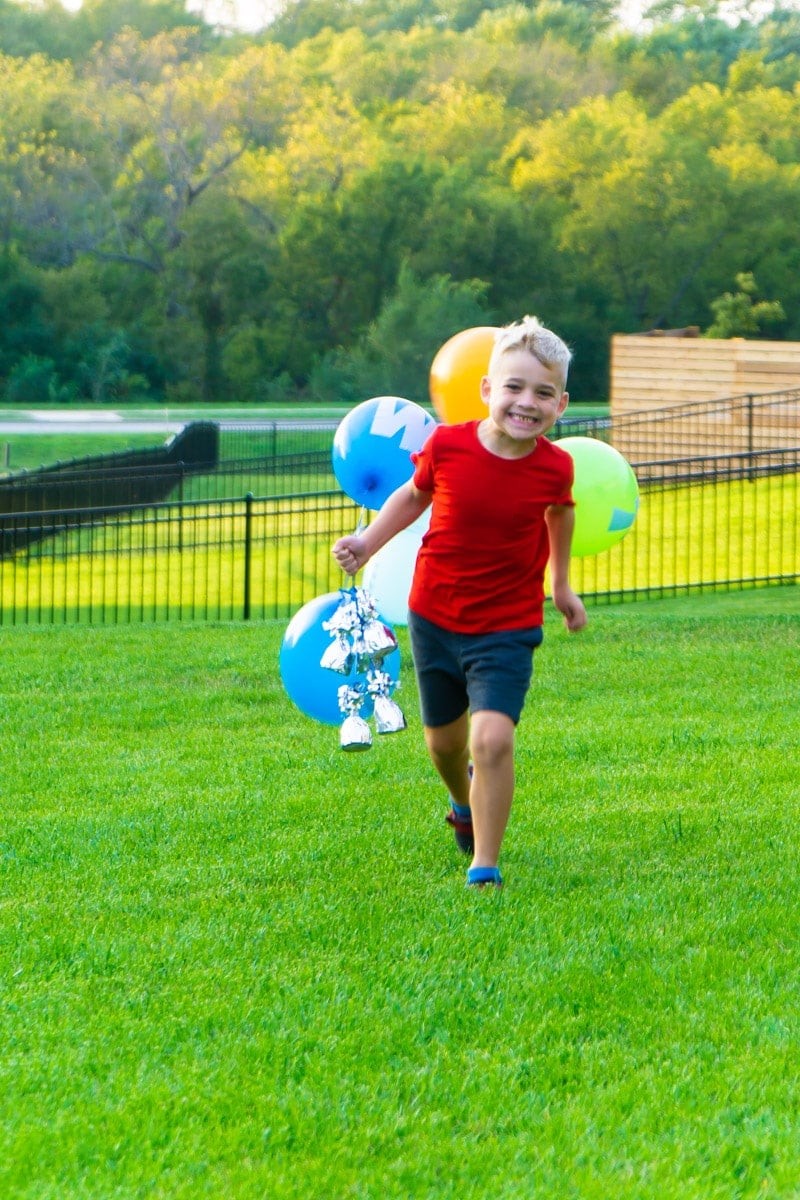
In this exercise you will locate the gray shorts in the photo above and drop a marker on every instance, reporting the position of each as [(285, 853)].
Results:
[(475, 671)]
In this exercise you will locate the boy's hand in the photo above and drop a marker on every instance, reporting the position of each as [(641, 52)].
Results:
[(572, 608), (350, 553)]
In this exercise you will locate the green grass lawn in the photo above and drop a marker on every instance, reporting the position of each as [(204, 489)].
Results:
[(31, 450), (238, 963)]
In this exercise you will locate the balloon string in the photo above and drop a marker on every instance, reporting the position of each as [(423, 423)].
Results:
[(348, 581)]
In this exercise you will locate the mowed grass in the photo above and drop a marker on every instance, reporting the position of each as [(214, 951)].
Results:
[(28, 451), (237, 962)]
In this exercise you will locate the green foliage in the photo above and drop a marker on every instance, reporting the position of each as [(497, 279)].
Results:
[(27, 29), (693, 48), (577, 21), (47, 28), (105, 369), (649, 200), (24, 326), (34, 381), (395, 354), (301, 20), (739, 314), (227, 219)]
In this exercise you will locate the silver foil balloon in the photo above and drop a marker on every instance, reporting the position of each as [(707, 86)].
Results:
[(346, 617), (379, 683), (378, 639), (351, 696), (365, 604), (388, 715), (355, 733), (339, 655)]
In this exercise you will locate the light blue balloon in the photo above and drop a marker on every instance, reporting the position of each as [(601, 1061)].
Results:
[(389, 573), (315, 689), (373, 444)]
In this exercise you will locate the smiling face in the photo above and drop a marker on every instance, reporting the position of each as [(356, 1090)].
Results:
[(525, 400)]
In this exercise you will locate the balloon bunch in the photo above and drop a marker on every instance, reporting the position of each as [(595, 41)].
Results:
[(371, 457), (359, 649)]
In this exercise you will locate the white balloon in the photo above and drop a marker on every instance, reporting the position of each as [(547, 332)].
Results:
[(388, 574)]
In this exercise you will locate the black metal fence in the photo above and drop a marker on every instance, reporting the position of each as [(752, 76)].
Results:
[(738, 425), (252, 538), (718, 526), (183, 560), (717, 523)]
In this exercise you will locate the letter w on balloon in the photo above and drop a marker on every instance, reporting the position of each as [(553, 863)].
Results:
[(389, 420)]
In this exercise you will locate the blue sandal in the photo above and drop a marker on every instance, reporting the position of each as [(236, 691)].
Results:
[(481, 877)]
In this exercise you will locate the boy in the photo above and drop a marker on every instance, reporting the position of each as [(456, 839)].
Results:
[(502, 505)]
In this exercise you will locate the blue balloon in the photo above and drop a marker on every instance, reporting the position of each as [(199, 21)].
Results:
[(315, 689), (373, 444)]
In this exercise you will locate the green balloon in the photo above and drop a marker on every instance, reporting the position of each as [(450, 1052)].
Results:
[(606, 495)]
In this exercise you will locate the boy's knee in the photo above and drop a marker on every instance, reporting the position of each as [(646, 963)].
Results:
[(447, 740), (492, 737)]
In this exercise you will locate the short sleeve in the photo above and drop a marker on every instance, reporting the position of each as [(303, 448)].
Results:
[(423, 465)]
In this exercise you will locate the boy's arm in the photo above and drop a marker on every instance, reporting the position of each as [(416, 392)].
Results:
[(560, 521), (400, 510)]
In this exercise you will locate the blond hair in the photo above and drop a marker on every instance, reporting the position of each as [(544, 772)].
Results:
[(529, 334)]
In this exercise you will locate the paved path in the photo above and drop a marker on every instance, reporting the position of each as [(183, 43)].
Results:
[(83, 421), (164, 427)]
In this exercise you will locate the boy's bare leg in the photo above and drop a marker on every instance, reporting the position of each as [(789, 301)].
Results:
[(492, 790), (448, 746)]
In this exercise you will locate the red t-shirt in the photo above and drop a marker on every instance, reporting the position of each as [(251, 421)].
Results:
[(481, 564)]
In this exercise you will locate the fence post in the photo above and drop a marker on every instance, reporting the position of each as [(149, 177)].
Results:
[(248, 536), (180, 510)]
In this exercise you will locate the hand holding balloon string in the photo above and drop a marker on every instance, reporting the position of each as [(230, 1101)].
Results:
[(349, 551)]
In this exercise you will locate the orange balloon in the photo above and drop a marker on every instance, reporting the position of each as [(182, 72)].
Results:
[(456, 373)]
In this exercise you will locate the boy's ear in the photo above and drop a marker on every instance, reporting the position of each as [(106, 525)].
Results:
[(563, 402), (486, 389)]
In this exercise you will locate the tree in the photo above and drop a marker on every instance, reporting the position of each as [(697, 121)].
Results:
[(302, 20), (394, 354), (340, 255), (739, 314), (102, 22), (29, 29), (662, 65), (25, 326), (659, 208)]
